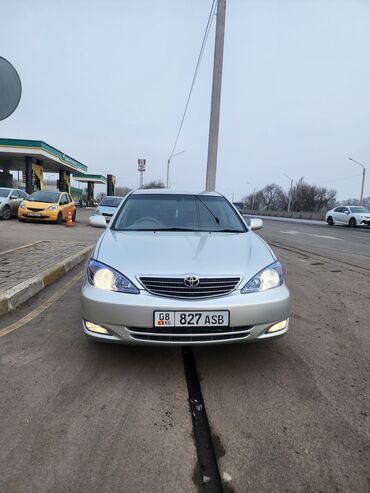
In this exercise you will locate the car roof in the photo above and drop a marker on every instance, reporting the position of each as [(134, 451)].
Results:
[(112, 197), (166, 191)]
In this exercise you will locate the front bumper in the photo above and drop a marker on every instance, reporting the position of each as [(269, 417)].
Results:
[(129, 317), (44, 215)]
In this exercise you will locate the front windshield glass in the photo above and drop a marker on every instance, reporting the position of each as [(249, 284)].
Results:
[(359, 209), (170, 212), (4, 192), (111, 201), (51, 197)]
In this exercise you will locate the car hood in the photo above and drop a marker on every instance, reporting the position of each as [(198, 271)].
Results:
[(37, 205), (106, 210), (181, 253)]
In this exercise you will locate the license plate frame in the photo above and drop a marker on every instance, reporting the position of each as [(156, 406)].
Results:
[(34, 214), (202, 321)]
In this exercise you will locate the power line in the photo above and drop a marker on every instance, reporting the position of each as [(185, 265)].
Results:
[(204, 42)]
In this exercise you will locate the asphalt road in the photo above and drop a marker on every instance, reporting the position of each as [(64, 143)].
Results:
[(288, 416)]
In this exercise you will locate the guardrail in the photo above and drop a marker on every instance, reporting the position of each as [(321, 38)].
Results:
[(316, 216)]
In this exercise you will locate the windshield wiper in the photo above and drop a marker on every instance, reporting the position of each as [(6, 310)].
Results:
[(156, 229), (227, 231), (209, 210), (171, 229)]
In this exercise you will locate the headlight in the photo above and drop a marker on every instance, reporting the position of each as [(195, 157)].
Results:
[(268, 278), (21, 205), (104, 277), (53, 207)]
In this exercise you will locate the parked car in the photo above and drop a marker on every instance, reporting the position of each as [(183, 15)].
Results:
[(10, 199), (182, 268), (108, 206), (47, 206), (350, 215)]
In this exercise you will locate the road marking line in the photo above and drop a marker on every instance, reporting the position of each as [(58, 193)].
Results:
[(37, 311), (311, 234)]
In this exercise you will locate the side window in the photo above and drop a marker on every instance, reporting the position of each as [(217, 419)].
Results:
[(63, 200), (345, 209), (69, 198), (22, 194), (14, 194), (339, 209)]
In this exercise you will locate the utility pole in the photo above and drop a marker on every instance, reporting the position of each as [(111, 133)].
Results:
[(290, 192), (216, 97), (363, 178), (254, 194)]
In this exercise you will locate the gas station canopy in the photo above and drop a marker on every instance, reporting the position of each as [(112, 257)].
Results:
[(88, 178), (14, 151)]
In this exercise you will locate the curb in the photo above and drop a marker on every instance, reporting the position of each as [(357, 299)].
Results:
[(22, 292)]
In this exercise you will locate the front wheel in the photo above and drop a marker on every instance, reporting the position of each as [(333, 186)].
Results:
[(6, 213), (330, 221), (59, 218), (74, 216), (352, 222)]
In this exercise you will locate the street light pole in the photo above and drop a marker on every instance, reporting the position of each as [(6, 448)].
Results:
[(168, 167), (290, 192), (363, 177), (216, 97)]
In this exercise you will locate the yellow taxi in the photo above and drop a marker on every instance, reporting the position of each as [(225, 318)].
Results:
[(47, 206)]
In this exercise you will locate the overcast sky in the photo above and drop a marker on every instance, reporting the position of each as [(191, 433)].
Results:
[(106, 82)]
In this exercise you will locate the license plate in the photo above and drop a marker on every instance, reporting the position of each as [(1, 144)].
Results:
[(34, 214), (191, 319)]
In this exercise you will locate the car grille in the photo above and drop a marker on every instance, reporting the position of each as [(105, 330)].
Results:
[(174, 287), (189, 334), (106, 214), (34, 209)]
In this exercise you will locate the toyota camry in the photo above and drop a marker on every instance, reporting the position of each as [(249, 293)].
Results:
[(177, 268)]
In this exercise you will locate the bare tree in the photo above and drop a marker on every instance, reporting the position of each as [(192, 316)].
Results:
[(155, 184), (305, 198), (121, 191)]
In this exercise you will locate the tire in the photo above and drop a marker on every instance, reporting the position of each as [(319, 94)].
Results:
[(352, 223), (59, 218), (330, 221), (7, 213), (74, 216)]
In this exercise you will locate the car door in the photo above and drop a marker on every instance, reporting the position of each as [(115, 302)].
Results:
[(346, 215), (64, 205), (339, 215), (14, 201)]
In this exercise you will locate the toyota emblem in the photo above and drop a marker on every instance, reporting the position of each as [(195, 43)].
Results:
[(191, 281)]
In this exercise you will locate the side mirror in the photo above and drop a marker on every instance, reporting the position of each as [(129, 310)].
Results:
[(13, 197), (97, 221), (255, 223)]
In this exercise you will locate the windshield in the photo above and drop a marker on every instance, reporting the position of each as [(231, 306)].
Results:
[(4, 192), (359, 209), (111, 201), (178, 213), (44, 197)]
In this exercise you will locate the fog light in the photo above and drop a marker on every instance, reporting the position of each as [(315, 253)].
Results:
[(278, 326), (96, 328)]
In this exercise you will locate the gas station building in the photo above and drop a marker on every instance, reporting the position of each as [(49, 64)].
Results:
[(34, 157)]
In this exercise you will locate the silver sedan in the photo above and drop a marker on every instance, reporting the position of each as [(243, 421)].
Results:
[(10, 199), (182, 268)]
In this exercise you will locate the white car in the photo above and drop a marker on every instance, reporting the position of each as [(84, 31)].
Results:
[(349, 215)]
